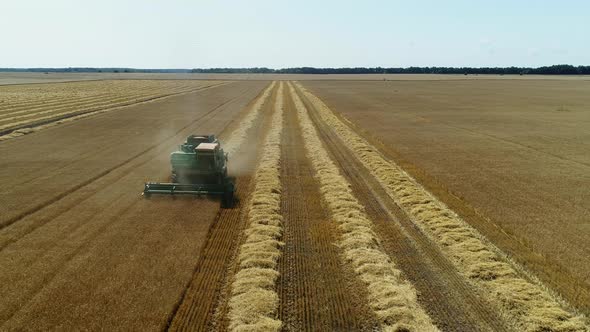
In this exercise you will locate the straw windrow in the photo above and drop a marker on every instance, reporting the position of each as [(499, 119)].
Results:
[(392, 298), (253, 302), (30, 108), (239, 135), (528, 303)]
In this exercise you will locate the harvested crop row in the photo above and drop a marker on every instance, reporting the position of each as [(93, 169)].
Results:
[(59, 111), (26, 97), (34, 110), (391, 297), (49, 94), (69, 97), (24, 105), (30, 126), (530, 306), (239, 135), (253, 302), (33, 100)]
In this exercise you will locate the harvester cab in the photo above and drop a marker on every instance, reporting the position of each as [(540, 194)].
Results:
[(199, 167)]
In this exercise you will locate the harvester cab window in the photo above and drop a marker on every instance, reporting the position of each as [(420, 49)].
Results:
[(206, 160)]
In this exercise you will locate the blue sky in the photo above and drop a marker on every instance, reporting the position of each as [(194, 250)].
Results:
[(276, 34)]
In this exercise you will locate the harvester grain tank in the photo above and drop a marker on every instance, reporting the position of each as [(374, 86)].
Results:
[(199, 167)]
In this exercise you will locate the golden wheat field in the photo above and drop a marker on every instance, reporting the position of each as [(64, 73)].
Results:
[(362, 203)]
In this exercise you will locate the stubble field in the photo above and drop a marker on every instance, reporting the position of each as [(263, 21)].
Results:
[(446, 205)]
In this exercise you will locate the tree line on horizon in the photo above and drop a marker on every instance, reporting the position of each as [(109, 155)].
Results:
[(93, 70), (545, 70)]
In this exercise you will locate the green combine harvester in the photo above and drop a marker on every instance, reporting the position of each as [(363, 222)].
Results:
[(199, 167)]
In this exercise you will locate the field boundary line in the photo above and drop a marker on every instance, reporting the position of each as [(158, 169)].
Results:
[(528, 302), (32, 127), (392, 298), (253, 302)]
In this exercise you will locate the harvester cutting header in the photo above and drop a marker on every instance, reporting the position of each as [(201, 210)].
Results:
[(199, 167)]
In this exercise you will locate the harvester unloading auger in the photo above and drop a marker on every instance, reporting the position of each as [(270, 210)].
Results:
[(199, 167)]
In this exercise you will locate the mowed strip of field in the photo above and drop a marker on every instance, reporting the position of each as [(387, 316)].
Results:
[(204, 304), (253, 302), (309, 298), (389, 294), (317, 290), (86, 251), (27, 108), (511, 157), (451, 302)]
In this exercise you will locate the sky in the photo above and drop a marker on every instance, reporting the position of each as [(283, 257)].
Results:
[(280, 34)]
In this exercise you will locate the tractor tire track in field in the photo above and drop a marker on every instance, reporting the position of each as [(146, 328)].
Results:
[(317, 293), (452, 304), (150, 149), (203, 305)]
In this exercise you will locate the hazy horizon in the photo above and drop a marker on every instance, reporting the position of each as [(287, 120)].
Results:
[(208, 34)]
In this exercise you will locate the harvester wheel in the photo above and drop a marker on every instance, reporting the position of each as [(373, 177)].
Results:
[(227, 201)]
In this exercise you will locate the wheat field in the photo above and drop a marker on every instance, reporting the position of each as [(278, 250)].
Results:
[(354, 209)]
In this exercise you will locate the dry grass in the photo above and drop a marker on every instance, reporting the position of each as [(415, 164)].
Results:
[(392, 298), (531, 306), (254, 301), (28, 108), (239, 135)]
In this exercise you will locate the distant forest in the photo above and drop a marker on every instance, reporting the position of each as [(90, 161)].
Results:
[(547, 70), (92, 70)]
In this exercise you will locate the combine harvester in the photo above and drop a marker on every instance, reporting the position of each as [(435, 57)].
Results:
[(199, 167)]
